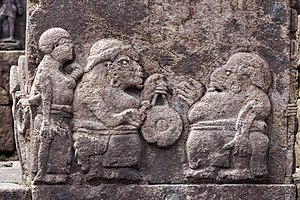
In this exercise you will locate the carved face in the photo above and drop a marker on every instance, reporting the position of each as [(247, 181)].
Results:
[(128, 71), (224, 78), (241, 71), (63, 50), (229, 77)]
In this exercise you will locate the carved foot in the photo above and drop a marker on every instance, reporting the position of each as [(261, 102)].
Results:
[(50, 178), (234, 174), (128, 174), (259, 171), (85, 168), (206, 173), (10, 39)]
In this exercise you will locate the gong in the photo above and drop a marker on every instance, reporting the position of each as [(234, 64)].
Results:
[(163, 125)]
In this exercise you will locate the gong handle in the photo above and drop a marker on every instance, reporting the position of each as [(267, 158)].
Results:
[(153, 102)]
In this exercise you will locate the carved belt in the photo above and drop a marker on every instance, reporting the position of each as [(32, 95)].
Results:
[(226, 124), (64, 110), (106, 132), (98, 128)]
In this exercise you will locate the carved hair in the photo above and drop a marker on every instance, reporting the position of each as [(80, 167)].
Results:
[(50, 38), (254, 67), (107, 50)]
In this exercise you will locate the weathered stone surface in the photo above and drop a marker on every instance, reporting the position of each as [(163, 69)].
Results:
[(10, 172), (167, 192), (10, 180), (7, 59), (7, 142), (158, 92), (14, 191)]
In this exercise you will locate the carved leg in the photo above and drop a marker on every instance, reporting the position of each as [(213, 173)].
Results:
[(198, 148), (2, 18), (209, 172), (123, 151), (34, 144), (258, 162), (43, 155), (11, 24), (82, 156)]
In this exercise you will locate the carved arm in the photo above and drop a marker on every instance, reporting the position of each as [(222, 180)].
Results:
[(47, 95), (19, 7)]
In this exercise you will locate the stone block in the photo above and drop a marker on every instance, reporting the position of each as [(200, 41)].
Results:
[(158, 92), (14, 191), (7, 141), (166, 192)]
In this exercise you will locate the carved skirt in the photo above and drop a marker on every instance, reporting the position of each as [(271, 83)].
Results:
[(117, 148)]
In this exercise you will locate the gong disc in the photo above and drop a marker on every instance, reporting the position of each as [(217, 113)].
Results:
[(162, 126)]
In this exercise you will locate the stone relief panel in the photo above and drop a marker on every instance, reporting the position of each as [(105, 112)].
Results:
[(116, 112), (172, 95)]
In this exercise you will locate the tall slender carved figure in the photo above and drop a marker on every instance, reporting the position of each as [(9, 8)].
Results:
[(52, 96)]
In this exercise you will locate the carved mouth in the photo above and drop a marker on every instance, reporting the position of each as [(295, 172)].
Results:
[(214, 89)]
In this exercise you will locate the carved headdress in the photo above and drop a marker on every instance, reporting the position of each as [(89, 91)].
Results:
[(107, 50), (255, 67), (50, 38)]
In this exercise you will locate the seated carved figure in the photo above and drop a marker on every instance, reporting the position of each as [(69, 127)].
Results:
[(228, 139), (108, 112)]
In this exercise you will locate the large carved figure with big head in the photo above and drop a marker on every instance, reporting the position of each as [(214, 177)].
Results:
[(107, 118), (228, 138), (111, 105)]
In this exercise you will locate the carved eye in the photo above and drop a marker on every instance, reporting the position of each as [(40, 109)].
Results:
[(124, 62), (227, 72)]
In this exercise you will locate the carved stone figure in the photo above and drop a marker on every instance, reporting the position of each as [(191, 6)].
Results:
[(108, 111), (8, 12), (21, 112), (51, 100), (228, 138)]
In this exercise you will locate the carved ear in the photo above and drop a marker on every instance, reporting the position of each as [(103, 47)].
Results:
[(114, 82), (235, 88), (258, 74)]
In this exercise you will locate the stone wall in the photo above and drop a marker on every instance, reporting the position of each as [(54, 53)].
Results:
[(7, 143), (180, 95), (12, 45)]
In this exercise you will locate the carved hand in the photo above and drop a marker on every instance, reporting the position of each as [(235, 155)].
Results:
[(20, 11), (20, 94), (190, 91), (131, 116), (291, 110), (24, 102), (155, 84), (45, 131), (241, 145)]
